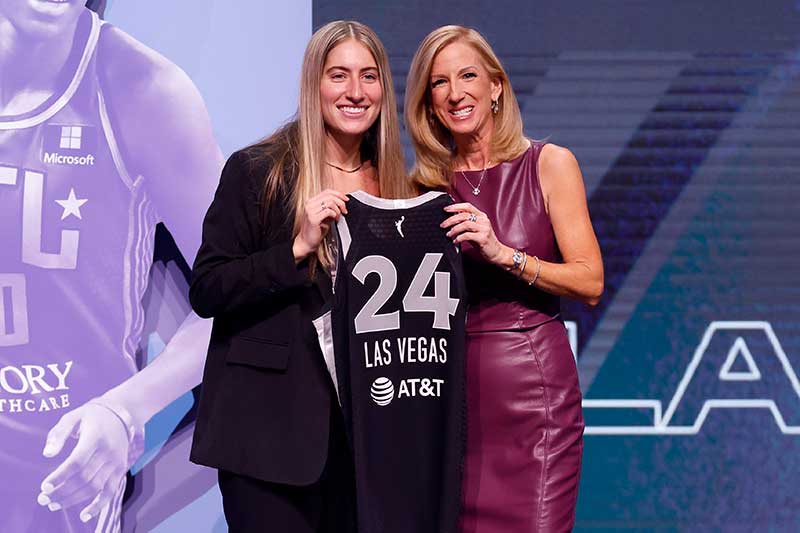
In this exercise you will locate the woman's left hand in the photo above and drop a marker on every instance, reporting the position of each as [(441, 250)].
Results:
[(470, 224)]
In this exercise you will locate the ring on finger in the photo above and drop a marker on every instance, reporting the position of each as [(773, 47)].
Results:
[(322, 203), (472, 217)]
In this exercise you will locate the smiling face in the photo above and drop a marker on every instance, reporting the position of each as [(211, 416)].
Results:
[(350, 89), (462, 91), (42, 19)]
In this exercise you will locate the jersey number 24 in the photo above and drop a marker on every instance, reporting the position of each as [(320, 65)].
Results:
[(440, 304)]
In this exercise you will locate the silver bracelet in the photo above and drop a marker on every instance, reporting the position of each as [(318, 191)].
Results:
[(516, 260), (538, 269), (524, 262), (135, 433), (121, 413)]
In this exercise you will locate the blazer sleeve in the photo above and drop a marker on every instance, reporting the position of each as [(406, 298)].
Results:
[(234, 268)]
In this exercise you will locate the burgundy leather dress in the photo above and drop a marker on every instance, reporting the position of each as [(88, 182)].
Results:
[(524, 420)]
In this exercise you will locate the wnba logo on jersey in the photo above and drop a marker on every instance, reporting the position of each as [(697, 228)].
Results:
[(69, 145)]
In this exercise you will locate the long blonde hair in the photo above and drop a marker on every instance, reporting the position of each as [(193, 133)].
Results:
[(296, 150), (433, 143)]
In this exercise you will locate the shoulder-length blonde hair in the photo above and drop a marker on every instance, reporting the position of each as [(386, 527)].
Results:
[(433, 143), (297, 150)]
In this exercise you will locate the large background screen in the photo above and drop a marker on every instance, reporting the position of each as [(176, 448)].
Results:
[(685, 118)]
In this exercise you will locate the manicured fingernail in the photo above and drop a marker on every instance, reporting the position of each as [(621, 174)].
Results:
[(85, 517), (49, 449), (43, 499), (54, 507), (47, 487)]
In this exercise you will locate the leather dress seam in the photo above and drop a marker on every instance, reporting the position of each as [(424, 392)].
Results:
[(546, 464)]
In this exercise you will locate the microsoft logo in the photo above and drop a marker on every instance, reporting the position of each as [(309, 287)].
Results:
[(70, 137), (69, 145)]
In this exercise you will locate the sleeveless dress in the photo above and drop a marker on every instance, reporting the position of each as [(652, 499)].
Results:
[(77, 237), (524, 420)]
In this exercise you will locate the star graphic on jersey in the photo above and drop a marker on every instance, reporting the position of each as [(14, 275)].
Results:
[(72, 205)]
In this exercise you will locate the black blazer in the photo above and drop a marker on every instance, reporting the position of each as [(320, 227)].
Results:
[(266, 395)]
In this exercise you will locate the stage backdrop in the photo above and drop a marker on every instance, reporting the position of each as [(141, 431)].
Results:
[(245, 59), (685, 118)]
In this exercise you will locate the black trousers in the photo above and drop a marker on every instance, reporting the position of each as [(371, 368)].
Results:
[(327, 506)]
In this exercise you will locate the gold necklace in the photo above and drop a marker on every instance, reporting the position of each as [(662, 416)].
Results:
[(345, 170)]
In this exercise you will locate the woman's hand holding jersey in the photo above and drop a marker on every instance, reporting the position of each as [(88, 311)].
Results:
[(469, 224), (318, 212)]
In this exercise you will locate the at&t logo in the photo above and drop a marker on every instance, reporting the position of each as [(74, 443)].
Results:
[(383, 392)]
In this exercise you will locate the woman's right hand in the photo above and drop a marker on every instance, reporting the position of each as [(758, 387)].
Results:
[(318, 213)]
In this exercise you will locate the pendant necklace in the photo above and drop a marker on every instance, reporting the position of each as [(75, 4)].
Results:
[(476, 189)]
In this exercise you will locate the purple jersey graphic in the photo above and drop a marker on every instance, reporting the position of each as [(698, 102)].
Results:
[(98, 134), (77, 233)]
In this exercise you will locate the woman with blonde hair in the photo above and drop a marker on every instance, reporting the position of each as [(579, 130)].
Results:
[(527, 239), (268, 418)]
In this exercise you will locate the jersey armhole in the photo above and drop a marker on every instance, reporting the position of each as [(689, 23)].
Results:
[(113, 146)]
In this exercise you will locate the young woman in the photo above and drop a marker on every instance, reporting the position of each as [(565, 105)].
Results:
[(527, 240), (268, 418)]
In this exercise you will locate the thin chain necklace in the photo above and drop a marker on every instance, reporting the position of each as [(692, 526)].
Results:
[(346, 171), (476, 189)]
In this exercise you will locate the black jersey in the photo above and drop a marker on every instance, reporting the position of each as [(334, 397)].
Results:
[(394, 344)]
